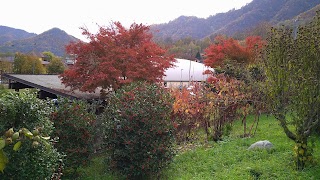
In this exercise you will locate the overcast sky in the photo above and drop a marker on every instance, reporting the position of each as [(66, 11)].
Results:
[(37, 16)]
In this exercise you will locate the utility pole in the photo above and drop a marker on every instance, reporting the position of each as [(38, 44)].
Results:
[(181, 79)]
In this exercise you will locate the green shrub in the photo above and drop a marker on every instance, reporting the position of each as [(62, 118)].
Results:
[(24, 110), (2, 89), (73, 123), (139, 132)]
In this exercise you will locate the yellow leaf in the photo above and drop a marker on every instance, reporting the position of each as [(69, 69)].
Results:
[(45, 138), (3, 160), (301, 151), (17, 146), (29, 134)]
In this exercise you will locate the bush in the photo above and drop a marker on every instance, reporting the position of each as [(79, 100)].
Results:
[(3, 89), (73, 121), (139, 132), (24, 110)]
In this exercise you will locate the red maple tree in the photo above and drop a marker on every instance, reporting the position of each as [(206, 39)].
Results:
[(115, 56), (229, 48)]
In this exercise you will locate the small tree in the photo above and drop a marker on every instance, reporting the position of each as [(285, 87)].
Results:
[(139, 132), (48, 56), (224, 100), (292, 64), (56, 66)]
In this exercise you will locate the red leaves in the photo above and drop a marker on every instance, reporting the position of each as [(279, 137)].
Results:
[(188, 110), (228, 48), (115, 56)]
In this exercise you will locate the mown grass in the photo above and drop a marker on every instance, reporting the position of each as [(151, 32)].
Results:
[(230, 159)]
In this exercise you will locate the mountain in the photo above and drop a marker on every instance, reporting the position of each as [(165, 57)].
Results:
[(53, 40), (233, 21), (12, 34), (302, 18)]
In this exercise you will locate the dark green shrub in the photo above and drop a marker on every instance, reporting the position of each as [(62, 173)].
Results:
[(73, 121), (24, 110), (139, 132)]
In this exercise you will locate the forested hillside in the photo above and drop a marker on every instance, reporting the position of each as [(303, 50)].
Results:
[(252, 19), (53, 40), (11, 34), (233, 21)]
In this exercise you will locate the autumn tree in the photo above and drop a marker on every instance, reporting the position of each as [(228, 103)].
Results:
[(237, 81), (27, 64), (292, 64), (5, 66), (231, 49), (115, 56)]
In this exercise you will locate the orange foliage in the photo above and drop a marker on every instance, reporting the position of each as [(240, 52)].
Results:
[(188, 111), (228, 48)]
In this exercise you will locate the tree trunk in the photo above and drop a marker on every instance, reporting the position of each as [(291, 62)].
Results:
[(301, 152)]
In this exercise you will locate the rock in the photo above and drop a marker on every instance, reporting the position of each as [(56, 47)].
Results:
[(261, 145)]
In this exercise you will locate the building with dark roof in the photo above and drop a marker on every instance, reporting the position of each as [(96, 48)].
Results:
[(50, 86)]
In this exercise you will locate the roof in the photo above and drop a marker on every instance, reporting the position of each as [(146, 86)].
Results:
[(51, 84), (183, 70), (186, 70)]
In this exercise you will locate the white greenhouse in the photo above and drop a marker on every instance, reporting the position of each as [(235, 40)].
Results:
[(184, 72)]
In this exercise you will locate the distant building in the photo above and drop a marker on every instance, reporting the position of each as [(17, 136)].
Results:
[(184, 72), (70, 60)]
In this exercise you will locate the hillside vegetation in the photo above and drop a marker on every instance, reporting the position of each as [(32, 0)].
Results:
[(53, 40), (233, 21), (11, 34)]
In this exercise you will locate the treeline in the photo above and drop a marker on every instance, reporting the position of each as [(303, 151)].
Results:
[(22, 63), (193, 49)]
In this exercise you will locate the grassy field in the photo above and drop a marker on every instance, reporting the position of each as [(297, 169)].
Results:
[(230, 159)]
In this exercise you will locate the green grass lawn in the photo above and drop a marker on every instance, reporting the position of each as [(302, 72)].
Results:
[(230, 159)]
